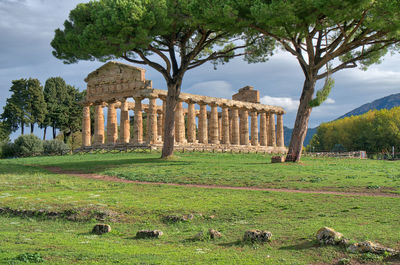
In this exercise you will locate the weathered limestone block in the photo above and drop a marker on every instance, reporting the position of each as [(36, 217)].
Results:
[(214, 234), (100, 229), (328, 236), (176, 218), (277, 159), (149, 234), (370, 247), (257, 236)]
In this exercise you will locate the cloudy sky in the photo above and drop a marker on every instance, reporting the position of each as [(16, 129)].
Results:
[(27, 28)]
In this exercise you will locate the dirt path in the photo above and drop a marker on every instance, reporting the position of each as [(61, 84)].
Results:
[(58, 170)]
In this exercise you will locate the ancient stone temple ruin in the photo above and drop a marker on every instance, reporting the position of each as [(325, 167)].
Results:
[(216, 124)]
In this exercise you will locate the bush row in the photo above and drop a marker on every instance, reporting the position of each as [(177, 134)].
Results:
[(31, 145)]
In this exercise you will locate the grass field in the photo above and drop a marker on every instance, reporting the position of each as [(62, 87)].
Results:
[(292, 218)]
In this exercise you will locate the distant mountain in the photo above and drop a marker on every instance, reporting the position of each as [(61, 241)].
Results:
[(310, 134), (382, 103)]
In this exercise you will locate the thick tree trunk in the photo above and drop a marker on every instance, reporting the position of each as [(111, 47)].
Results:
[(169, 124), (54, 132), (300, 127), (22, 128), (32, 127), (44, 133)]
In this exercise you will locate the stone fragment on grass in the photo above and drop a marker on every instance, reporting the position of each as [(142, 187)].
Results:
[(257, 236), (149, 234), (370, 247), (328, 236), (214, 234), (277, 159), (176, 218), (100, 229)]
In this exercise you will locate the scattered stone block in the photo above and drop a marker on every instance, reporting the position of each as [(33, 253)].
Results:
[(100, 229), (176, 219), (328, 236), (149, 234), (257, 236), (370, 247), (214, 234), (278, 159)]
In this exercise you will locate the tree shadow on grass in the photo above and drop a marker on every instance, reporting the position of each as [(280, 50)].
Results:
[(95, 166), (302, 245)]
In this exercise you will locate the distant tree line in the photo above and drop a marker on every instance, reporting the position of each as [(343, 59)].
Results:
[(55, 106), (375, 131)]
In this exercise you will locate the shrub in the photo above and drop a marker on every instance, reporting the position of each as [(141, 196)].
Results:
[(7, 150), (28, 145), (55, 147)]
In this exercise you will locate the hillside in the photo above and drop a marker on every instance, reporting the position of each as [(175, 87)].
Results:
[(382, 103), (288, 135)]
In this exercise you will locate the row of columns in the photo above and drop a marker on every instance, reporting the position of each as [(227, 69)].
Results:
[(232, 128)]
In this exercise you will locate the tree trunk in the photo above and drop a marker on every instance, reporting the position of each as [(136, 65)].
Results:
[(32, 127), (44, 133), (300, 127), (22, 128), (169, 123), (54, 132)]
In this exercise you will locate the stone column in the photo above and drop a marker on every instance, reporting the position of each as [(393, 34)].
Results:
[(138, 122), (225, 125), (164, 109), (220, 127), (244, 127), (254, 128), (235, 127), (86, 141), (214, 139), (179, 123), (99, 125), (271, 130), (263, 129), (191, 123), (203, 130), (280, 138), (152, 116), (160, 124), (147, 125), (112, 124), (124, 126)]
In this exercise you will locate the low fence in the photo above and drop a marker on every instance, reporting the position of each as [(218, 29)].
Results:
[(356, 154)]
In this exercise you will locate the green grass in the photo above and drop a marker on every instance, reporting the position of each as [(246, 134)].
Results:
[(240, 170), (292, 218)]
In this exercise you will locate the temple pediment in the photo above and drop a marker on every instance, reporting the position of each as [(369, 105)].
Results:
[(115, 80)]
